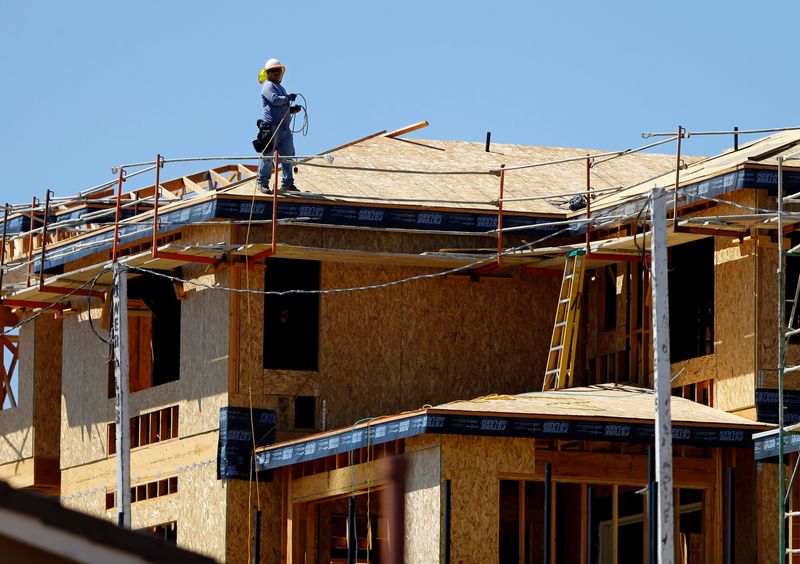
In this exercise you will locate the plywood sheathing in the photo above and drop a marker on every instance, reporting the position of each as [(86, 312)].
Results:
[(32, 428), (378, 347), (201, 525), (423, 517), (474, 465), (464, 191), (732, 364), (241, 502), (603, 401), (16, 425)]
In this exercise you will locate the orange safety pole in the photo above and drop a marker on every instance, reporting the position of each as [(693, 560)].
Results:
[(275, 206), (117, 214), (154, 252), (588, 206), (44, 237), (34, 203), (677, 180), (500, 217)]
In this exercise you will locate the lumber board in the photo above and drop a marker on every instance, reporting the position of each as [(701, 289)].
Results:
[(155, 462)]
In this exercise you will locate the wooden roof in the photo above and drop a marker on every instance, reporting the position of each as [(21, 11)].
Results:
[(605, 401), (457, 174)]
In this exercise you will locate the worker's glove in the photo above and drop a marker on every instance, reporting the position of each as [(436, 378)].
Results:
[(292, 97), (295, 109)]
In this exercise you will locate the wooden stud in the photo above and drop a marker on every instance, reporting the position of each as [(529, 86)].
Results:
[(614, 523), (584, 528), (521, 520), (233, 332)]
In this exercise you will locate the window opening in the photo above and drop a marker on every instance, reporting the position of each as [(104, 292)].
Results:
[(154, 334), (691, 299), (305, 412), (168, 532), (291, 322), (147, 428), (607, 294)]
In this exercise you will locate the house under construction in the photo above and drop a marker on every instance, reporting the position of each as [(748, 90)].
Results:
[(480, 312)]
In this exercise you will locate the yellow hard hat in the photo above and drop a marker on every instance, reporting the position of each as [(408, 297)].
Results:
[(270, 64)]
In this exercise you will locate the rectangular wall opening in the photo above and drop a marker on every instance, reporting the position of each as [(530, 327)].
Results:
[(691, 299), (154, 333), (291, 321)]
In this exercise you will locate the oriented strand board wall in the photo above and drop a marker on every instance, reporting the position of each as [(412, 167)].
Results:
[(732, 363), (47, 386), (423, 517), (403, 346), (474, 464), (200, 504), (241, 502), (16, 424)]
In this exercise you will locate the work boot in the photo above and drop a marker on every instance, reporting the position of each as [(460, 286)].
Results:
[(263, 188), (289, 188)]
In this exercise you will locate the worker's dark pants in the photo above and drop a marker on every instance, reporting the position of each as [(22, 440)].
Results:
[(285, 145)]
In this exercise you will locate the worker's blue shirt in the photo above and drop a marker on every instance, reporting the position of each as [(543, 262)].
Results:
[(276, 104)]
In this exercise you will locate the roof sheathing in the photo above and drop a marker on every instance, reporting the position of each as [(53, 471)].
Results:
[(604, 413)]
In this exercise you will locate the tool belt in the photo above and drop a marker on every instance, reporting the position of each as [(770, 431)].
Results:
[(263, 142)]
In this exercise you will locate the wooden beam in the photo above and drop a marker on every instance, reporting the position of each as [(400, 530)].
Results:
[(194, 187), (218, 179), (407, 129), (615, 523)]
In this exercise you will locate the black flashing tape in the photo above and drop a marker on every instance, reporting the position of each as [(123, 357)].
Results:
[(347, 440), (235, 444), (767, 406)]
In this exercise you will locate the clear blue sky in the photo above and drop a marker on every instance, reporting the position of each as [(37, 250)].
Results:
[(86, 85)]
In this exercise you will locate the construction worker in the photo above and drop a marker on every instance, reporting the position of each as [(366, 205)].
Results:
[(277, 116)]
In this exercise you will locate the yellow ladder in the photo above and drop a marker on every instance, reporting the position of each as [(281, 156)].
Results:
[(561, 358)]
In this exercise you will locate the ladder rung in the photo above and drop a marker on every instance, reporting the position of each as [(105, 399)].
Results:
[(793, 551), (556, 348), (549, 372), (561, 324), (791, 369), (793, 513), (564, 301), (791, 332), (568, 276)]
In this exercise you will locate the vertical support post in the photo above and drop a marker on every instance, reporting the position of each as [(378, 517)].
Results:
[(44, 237), (500, 217), (588, 205), (117, 214), (731, 515), (736, 139), (661, 361), (397, 509), (275, 205), (446, 551), (677, 179), (31, 236), (488, 140), (352, 540), (156, 193), (257, 537), (119, 336), (781, 367), (651, 505), (548, 510), (3, 248), (589, 530)]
